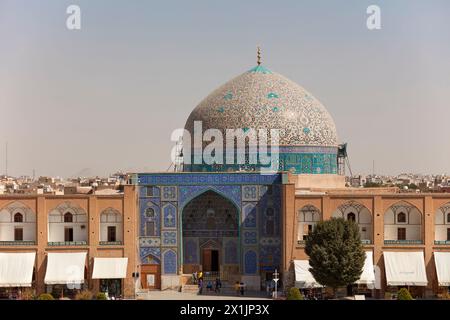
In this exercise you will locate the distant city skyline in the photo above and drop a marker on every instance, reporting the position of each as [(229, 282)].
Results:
[(107, 97)]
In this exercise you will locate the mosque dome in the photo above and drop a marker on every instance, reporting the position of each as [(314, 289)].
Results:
[(261, 99)]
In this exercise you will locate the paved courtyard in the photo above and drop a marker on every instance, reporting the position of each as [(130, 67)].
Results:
[(175, 295)]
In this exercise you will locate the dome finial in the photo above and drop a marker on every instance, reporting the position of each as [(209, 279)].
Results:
[(258, 56)]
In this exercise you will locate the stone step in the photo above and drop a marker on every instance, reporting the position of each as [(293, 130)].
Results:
[(189, 288)]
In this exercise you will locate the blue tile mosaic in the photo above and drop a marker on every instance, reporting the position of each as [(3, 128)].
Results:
[(169, 262)]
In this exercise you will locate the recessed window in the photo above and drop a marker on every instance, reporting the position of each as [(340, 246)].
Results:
[(448, 217), (307, 229), (351, 217), (270, 228), (18, 217), (448, 234), (150, 213), (401, 234), (68, 217), (150, 229), (151, 191), (18, 234), (401, 217), (111, 233)]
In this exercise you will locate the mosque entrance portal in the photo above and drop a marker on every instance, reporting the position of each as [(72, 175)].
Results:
[(210, 227), (210, 260)]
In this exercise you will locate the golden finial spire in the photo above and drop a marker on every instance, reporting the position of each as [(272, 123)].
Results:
[(258, 55)]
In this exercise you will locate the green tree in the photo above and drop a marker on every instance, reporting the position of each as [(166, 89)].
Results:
[(403, 294), (101, 296), (336, 255), (45, 296), (294, 294)]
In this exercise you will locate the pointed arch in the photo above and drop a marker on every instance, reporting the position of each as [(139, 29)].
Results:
[(307, 218), (78, 213), (169, 215), (309, 213), (8, 212), (150, 259), (110, 215), (17, 222), (442, 224), (67, 223), (359, 213), (111, 228), (209, 215), (403, 223), (188, 193), (169, 258)]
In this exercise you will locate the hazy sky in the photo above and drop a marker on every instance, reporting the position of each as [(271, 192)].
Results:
[(108, 96)]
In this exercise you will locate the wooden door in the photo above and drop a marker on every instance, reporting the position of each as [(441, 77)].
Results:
[(68, 234), (207, 259), (111, 233), (151, 276)]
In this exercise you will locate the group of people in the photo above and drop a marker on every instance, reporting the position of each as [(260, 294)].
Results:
[(198, 278)]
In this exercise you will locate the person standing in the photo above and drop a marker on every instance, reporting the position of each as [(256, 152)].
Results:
[(237, 287), (200, 286), (217, 286), (242, 285)]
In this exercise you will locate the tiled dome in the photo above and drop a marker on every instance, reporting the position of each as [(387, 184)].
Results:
[(261, 99)]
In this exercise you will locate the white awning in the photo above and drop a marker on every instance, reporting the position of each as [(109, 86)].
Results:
[(442, 262), (304, 278), (110, 268), (16, 269), (65, 268), (405, 268), (368, 274)]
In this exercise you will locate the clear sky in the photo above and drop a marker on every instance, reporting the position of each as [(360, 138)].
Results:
[(108, 96)]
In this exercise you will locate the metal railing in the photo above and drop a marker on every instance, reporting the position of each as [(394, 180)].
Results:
[(213, 275), (441, 242), (364, 241), (110, 243), (67, 243), (403, 242), (18, 243)]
